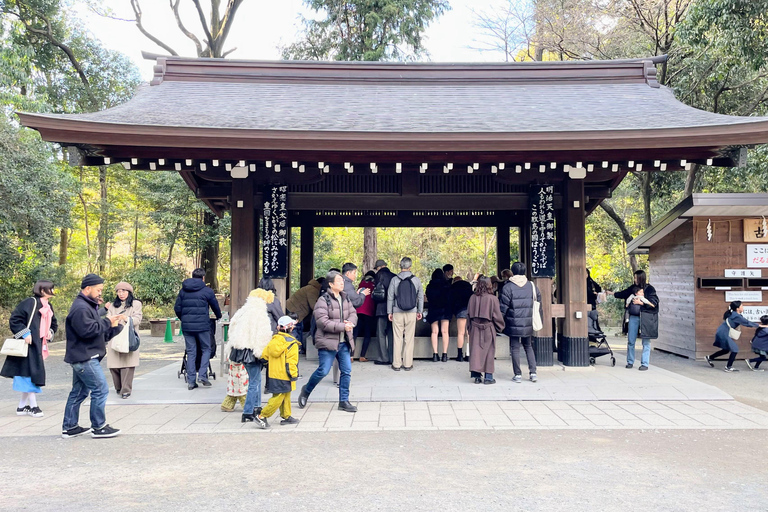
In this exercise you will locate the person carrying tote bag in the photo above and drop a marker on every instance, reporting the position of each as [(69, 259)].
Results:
[(122, 361), (34, 324), (725, 337)]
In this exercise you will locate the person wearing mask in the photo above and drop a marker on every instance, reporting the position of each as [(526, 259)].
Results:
[(335, 320), (438, 312), (33, 321), (87, 333), (366, 319), (643, 318), (517, 307), (384, 332), (724, 337), (458, 297), (405, 306), (122, 366), (191, 308), (486, 318)]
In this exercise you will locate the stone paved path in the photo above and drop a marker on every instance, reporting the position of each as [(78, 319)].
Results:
[(435, 415)]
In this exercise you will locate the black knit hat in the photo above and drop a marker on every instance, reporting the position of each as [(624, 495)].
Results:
[(91, 280)]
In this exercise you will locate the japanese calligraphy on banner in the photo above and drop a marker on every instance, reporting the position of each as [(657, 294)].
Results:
[(541, 201), (756, 230), (757, 255), (274, 238)]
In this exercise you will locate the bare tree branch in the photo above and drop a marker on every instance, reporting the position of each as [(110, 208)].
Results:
[(625, 234), (174, 4), (137, 12)]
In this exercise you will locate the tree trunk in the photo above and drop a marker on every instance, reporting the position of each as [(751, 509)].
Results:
[(63, 246), (209, 255), (173, 243), (690, 180), (645, 189), (103, 233), (136, 240), (370, 248), (606, 206), (87, 231)]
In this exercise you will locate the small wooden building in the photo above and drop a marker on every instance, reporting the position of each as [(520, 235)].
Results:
[(408, 145), (709, 250)]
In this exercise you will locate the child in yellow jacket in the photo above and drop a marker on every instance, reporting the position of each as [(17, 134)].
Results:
[(283, 371)]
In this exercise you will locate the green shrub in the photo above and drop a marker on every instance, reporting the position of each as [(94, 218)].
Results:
[(156, 282)]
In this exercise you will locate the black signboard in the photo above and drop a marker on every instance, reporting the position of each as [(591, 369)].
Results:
[(542, 230), (275, 233)]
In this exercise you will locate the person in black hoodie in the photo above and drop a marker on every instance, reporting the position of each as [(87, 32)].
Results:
[(384, 332), (87, 333), (192, 309), (458, 297)]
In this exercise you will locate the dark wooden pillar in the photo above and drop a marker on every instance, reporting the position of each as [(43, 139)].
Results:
[(543, 340), (307, 257), (502, 249), (524, 234), (245, 243), (573, 281)]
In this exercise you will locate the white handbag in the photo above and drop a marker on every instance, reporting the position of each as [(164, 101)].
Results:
[(120, 342), (732, 333), (17, 347), (536, 319)]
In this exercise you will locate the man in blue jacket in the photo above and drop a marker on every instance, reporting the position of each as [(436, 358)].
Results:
[(192, 309)]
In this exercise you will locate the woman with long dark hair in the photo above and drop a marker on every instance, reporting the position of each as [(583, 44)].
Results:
[(642, 310), (33, 321), (732, 319), (274, 308), (438, 312), (122, 366), (485, 320)]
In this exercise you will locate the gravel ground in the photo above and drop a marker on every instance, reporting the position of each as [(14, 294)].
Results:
[(415, 471)]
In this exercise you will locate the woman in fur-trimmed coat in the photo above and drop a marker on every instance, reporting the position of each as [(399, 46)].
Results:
[(249, 334)]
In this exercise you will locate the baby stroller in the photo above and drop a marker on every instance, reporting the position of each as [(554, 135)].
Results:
[(211, 373), (598, 345)]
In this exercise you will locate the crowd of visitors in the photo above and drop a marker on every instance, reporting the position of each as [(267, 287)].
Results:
[(336, 312)]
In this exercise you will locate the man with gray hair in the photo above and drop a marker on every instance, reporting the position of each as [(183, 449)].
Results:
[(405, 305)]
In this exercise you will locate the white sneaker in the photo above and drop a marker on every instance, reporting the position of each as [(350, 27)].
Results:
[(534, 377), (749, 364), (517, 378)]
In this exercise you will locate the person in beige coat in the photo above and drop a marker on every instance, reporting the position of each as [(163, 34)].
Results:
[(122, 366)]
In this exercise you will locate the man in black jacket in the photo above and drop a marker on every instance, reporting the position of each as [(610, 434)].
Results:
[(383, 325), (87, 333), (192, 309)]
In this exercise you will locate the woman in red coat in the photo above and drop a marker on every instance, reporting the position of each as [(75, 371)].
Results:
[(366, 314)]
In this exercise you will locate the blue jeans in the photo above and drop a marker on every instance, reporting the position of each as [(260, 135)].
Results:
[(87, 377), (326, 360), (253, 398), (190, 340), (632, 330)]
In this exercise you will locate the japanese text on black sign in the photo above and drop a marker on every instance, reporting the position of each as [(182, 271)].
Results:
[(275, 234), (542, 230)]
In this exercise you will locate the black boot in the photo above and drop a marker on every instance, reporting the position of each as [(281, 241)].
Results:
[(445, 357), (435, 358), (460, 356), (346, 406)]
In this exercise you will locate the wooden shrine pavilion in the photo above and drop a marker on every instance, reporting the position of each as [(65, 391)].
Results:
[(385, 144)]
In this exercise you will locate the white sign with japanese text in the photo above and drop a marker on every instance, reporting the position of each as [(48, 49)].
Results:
[(753, 313), (757, 255), (743, 272)]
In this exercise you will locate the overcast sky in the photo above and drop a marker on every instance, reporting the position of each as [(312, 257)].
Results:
[(261, 27)]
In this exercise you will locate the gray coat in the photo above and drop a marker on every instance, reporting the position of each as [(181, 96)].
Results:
[(392, 293), (516, 304), (357, 299)]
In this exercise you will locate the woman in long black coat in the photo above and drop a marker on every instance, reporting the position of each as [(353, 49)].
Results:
[(34, 321)]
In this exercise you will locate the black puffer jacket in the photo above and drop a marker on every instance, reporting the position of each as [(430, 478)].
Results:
[(459, 295), (383, 275), (517, 307), (192, 306)]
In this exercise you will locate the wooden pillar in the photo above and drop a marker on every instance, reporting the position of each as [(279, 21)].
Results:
[(573, 282), (307, 256), (543, 340), (502, 248), (245, 243)]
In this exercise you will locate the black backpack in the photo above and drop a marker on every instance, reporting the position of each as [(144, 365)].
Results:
[(379, 292), (406, 294)]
